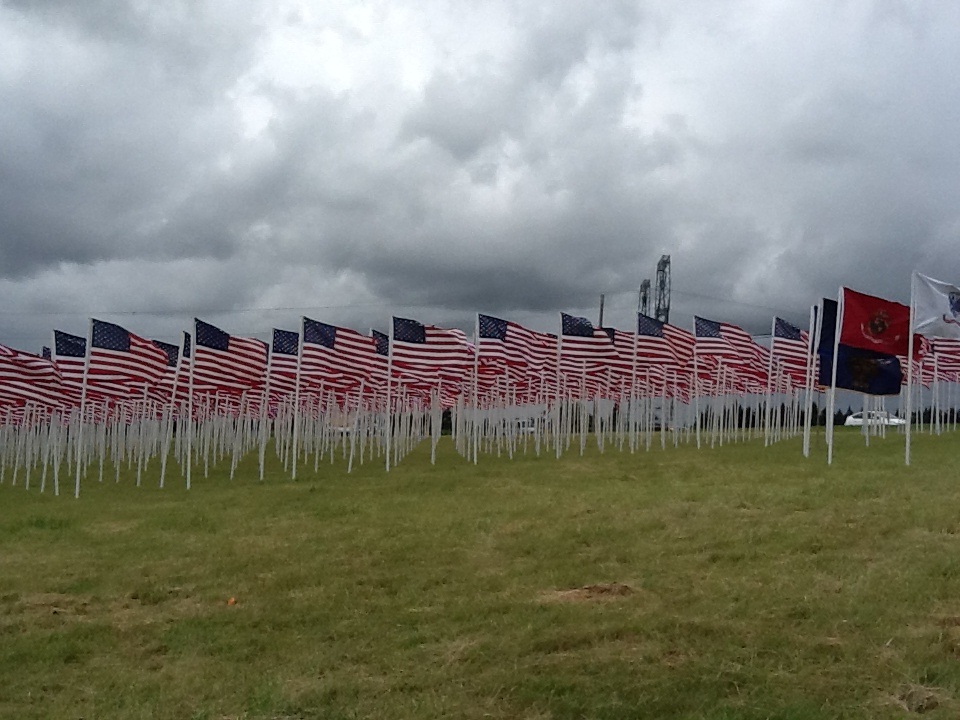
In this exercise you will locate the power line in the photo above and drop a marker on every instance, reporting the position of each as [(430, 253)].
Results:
[(201, 311), (339, 306)]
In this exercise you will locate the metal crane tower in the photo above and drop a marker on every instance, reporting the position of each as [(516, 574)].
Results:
[(644, 304), (663, 289)]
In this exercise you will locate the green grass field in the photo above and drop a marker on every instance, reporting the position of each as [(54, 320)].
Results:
[(737, 582)]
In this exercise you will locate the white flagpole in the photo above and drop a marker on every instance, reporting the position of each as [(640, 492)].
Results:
[(169, 420), (813, 339), (633, 382), (190, 427), (936, 390), (296, 402), (476, 382), (769, 409), (389, 416), (83, 405), (559, 376), (265, 412), (913, 299), (356, 424), (695, 385)]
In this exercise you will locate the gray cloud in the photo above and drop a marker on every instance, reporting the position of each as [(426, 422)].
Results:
[(351, 161)]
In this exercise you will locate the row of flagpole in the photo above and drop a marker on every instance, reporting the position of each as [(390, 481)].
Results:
[(141, 436), (872, 336), (142, 431)]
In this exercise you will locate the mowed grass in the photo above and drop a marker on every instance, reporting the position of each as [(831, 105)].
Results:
[(737, 582)]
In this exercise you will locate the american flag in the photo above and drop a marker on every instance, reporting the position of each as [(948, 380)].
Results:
[(29, 378), (623, 367), (223, 362), (506, 343), (947, 352), (652, 345), (923, 370), (756, 369), (661, 342), (584, 347), (587, 358), (70, 354), (430, 353), (726, 341), (282, 369), (934, 359), (171, 351), (340, 357), (501, 343), (381, 341), (525, 358), (123, 364), (790, 346), (682, 343), (164, 389)]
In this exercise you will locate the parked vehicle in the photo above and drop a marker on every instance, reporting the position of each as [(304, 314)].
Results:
[(874, 417), (527, 425)]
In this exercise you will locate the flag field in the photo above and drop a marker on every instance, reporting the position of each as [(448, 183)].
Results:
[(740, 581)]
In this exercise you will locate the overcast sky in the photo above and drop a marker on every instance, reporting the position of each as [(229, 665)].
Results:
[(252, 161)]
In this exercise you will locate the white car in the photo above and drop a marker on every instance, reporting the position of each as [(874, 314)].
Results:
[(527, 425), (874, 417)]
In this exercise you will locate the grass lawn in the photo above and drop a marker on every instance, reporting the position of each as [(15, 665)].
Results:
[(737, 582)]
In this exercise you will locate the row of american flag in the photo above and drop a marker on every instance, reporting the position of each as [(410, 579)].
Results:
[(113, 366), (117, 395)]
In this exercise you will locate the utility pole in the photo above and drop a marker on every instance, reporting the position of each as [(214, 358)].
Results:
[(601, 311)]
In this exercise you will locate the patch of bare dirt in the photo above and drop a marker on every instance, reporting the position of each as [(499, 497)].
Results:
[(55, 609), (590, 593), (919, 698), (45, 604), (674, 658)]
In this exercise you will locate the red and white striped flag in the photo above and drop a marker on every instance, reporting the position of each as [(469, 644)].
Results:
[(282, 369), (583, 347), (524, 356), (947, 352), (790, 345), (226, 363), (666, 346), (728, 342), (30, 378), (70, 355), (121, 363), (340, 358), (430, 353), (164, 389)]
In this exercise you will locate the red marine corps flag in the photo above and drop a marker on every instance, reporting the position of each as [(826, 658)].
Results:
[(872, 323)]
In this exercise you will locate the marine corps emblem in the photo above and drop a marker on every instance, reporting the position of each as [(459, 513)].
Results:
[(878, 323), (876, 326)]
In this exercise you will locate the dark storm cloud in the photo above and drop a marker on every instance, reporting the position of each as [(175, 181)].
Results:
[(116, 124), (353, 160)]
